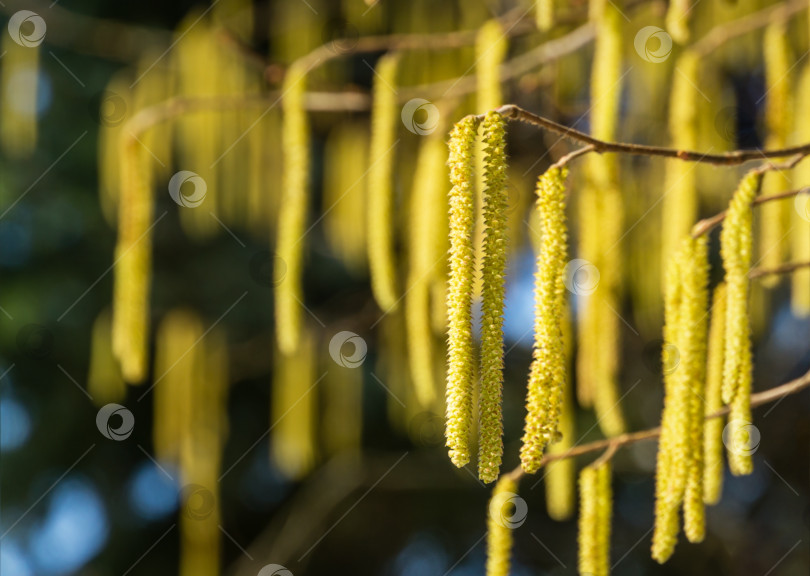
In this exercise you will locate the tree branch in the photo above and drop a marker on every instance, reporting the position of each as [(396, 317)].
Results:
[(616, 442), (708, 224), (786, 268)]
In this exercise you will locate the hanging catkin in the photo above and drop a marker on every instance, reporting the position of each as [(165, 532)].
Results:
[(774, 219), (560, 477), (132, 274), (547, 372), (490, 427), (680, 199), (104, 381), (115, 108), (461, 356), (293, 410), (293, 213), (425, 250), (19, 78), (490, 49), (544, 15), (735, 249), (384, 121), (677, 20), (499, 530), (736, 245), (596, 509), (713, 431), (679, 472), (800, 215), (344, 193), (601, 203)]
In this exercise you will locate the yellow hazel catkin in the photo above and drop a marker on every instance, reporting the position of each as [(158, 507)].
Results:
[(293, 212), (384, 120), (547, 373), (490, 427), (713, 431), (499, 528), (460, 364), (596, 504)]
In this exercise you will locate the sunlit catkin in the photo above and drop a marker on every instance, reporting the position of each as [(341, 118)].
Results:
[(19, 79), (774, 219), (293, 212), (425, 257), (595, 512), (460, 352), (490, 427), (601, 209), (132, 274), (384, 120), (679, 473), (735, 249), (490, 49), (560, 477), (800, 214), (544, 14), (344, 193), (547, 372), (678, 20), (713, 430), (500, 525), (293, 410), (680, 202), (104, 381)]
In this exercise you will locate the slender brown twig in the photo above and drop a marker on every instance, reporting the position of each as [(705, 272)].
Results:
[(616, 442), (708, 224), (786, 268)]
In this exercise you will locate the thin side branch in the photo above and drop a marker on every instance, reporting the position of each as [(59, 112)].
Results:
[(783, 269), (758, 399), (708, 224), (514, 112)]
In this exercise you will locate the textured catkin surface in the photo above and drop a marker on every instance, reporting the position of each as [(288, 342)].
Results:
[(736, 245), (490, 444), (547, 372), (460, 368), (499, 531)]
